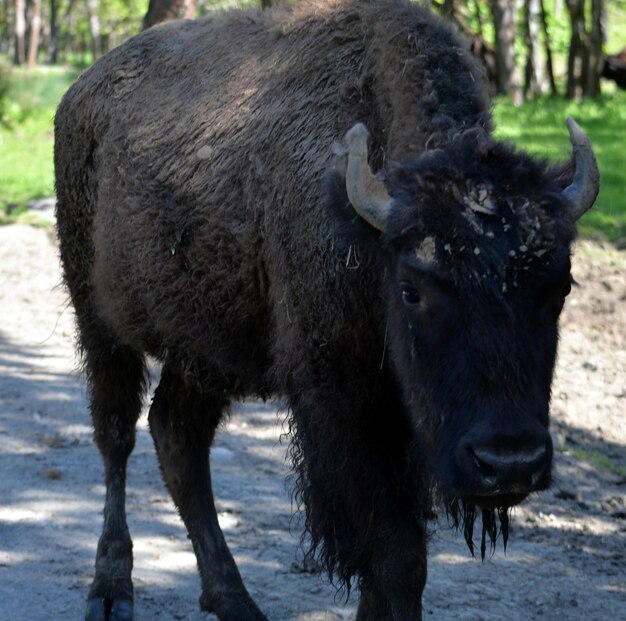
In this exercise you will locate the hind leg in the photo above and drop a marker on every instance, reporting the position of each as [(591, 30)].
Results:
[(183, 418), (116, 378)]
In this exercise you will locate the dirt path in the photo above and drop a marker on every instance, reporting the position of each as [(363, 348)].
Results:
[(567, 553)]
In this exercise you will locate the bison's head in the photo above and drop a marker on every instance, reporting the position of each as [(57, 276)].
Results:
[(477, 239)]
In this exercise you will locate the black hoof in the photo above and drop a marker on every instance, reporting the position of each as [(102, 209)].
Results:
[(96, 610), (233, 609), (109, 608)]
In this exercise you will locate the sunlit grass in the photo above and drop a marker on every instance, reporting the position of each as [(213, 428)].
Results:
[(26, 170), (42, 87), (539, 127), (27, 139)]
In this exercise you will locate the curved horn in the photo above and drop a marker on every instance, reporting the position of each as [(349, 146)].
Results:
[(583, 190), (366, 192)]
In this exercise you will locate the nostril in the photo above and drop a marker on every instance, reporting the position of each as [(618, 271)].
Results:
[(484, 468)]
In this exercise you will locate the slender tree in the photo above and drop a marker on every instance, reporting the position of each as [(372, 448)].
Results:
[(547, 48), (53, 42), (533, 74), (35, 31), (94, 28), (7, 29), (20, 32), (507, 71), (449, 8), (596, 42), (67, 37), (578, 58)]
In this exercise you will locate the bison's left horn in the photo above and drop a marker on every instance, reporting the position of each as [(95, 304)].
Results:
[(367, 193), (583, 190)]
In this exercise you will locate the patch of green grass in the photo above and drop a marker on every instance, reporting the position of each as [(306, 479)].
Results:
[(26, 170), (597, 459), (40, 88), (27, 138), (539, 127)]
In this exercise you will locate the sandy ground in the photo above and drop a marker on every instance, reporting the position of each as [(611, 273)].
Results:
[(567, 552)]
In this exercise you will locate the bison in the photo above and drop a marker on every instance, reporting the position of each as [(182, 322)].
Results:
[(401, 290), (614, 68)]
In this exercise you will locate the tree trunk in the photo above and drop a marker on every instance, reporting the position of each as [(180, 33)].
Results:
[(533, 75), (548, 49), (266, 4), (53, 47), (20, 32), (507, 72), (7, 43), (67, 43), (452, 11), (35, 30), (578, 59), (448, 8), (596, 41), (94, 28), (167, 10)]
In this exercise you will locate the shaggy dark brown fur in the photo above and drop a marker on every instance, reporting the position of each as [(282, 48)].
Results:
[(203, 220)]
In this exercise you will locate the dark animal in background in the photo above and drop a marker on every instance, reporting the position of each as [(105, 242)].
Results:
[(615, 68), (408, 315)]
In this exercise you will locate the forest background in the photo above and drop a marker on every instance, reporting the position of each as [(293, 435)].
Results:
[(545, 60)]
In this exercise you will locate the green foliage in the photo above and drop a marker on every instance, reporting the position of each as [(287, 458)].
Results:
[(615, 25), (5, 85), (26, 170), (26, 136), (206, 6), (539, 127), (30, 92)]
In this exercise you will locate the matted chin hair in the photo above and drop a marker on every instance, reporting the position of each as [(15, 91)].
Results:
[(463, 515)]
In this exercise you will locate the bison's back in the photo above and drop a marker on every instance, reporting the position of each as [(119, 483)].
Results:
[(189, 169)]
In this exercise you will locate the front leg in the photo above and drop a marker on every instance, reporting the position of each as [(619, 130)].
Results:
[(366, 500), (392, 589)]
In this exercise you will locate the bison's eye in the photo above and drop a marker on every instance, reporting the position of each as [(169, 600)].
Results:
[(410, 296)]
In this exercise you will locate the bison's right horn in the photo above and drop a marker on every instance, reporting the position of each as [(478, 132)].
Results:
[(584, 188), (367, 193)]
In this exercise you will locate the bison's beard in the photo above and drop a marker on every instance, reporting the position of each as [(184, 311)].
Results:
[(463, 515)]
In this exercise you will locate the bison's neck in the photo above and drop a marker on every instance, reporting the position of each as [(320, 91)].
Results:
[(425, 83)]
